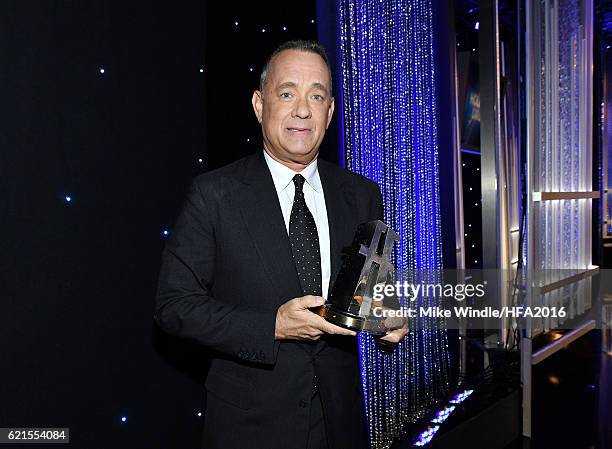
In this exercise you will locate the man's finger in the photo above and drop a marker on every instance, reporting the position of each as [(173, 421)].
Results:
[(395, 336), (330, 328), (308, 301), (315, 334)]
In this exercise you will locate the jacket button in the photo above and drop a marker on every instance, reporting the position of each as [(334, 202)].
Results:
[(303, 403)]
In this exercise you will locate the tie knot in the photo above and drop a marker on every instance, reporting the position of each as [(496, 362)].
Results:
[(298, 180)]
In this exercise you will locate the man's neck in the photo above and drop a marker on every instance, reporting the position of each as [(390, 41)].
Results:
[(296, 166)]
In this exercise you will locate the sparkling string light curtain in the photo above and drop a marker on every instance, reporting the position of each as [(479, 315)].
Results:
[(390, 136)]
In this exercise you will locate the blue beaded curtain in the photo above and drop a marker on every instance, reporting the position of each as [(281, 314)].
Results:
[(390, 135)]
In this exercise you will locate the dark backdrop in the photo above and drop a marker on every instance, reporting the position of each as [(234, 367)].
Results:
[(78, 347), (231, 53)]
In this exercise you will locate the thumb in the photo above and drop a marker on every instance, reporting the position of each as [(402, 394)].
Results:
[(308, 301)]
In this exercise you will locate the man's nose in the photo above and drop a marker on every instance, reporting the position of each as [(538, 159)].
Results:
[(302, 108)]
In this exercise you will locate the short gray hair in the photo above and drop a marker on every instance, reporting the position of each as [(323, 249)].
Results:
[(308, 46)]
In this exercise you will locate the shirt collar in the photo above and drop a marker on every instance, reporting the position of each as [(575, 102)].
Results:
[(283, 175)]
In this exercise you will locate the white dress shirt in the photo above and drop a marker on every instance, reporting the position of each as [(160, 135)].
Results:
[(315, 200)]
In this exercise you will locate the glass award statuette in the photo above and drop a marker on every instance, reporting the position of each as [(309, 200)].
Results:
[(365, 263)]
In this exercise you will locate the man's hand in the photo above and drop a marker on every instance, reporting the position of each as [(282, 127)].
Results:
[(295, 322), (390, 340)]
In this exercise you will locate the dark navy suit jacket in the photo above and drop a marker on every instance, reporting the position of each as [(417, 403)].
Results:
[(226, 268)]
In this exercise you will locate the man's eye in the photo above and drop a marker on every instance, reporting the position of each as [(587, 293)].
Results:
[(318, 97), (285, 95)]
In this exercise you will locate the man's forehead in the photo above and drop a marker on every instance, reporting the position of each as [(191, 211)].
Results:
[(296, 67), (291, 83)]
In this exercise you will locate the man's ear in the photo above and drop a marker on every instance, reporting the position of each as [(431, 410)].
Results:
[(330, 112), (257, 102)]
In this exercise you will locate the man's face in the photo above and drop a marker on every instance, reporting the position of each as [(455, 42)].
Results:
[(295, 107)]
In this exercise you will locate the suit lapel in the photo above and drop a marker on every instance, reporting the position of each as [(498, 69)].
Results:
[(338, 201), (264, 220)]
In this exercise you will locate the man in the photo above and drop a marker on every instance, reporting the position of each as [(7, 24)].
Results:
[(255, 248)]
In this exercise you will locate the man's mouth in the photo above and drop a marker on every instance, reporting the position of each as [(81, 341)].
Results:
[(298, 130)]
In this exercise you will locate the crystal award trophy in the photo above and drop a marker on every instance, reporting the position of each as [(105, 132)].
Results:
[(366, 263)]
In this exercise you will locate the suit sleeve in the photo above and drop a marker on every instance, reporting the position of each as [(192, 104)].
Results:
[(377, 207), (184, 303)]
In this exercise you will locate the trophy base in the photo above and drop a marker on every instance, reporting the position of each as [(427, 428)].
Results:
[(343, 319)]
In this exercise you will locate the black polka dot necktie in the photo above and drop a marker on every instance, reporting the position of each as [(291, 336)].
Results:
[(305, 242)]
